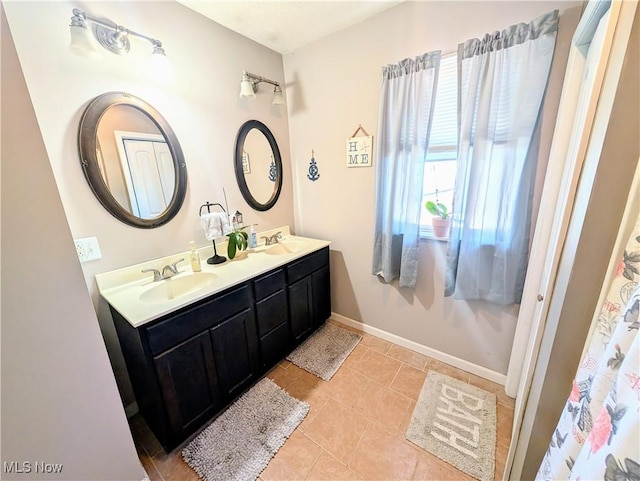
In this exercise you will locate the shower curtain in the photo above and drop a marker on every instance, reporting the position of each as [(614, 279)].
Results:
[(598, 435)]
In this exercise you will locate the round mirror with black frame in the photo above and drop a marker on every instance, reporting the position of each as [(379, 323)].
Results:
[(132, 160), (258, 165)]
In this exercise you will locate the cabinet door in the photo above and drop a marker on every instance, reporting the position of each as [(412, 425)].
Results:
[(320, 296), (235, 350), (300, 308), (187, 378)]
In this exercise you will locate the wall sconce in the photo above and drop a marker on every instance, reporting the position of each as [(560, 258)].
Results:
[(113, 37), (249, 87)]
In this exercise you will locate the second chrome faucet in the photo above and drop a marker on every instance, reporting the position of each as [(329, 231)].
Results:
[(268, 240), (168, 271)]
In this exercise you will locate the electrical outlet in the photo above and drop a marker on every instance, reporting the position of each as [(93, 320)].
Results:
[(88, 249)]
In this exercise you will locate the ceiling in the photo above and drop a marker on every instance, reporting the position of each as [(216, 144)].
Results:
[(285, 25)]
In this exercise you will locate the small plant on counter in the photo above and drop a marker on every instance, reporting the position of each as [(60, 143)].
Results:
[(238, 241)]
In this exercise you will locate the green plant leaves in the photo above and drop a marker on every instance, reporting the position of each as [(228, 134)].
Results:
[(238, 240), (437, 209)]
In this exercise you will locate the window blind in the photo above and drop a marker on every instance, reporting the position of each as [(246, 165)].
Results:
[(443, 142)]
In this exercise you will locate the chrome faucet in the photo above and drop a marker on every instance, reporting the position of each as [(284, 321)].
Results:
[(272, 239), (172, 268)]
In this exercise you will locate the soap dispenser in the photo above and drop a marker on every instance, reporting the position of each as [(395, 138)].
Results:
[(253, 238), (194, 258)]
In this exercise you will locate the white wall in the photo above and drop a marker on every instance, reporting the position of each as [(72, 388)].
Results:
[(60, 403), (332, 87), (202, 107)]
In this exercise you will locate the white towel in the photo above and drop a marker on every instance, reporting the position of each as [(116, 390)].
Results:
[(215, 224)]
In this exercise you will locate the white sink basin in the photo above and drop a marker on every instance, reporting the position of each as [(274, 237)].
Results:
[(177, 287), (285, 247)]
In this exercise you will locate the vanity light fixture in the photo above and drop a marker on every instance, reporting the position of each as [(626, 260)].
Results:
[(109, 35), (249, 87)]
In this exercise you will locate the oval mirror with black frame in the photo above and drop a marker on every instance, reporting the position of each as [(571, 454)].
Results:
[(258, 165), (132, 160)]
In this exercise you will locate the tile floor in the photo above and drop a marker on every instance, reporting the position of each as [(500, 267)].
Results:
[(355, 427)]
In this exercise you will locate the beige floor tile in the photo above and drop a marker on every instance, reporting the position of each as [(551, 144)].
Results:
[(406, 418), (432, 468), (415, 359), (447, 370), (344, 326), (378, 367), (173, 468), (409, 381), (310, 393), (381, 456), (356, 355), (300, 373), (375, 343), (501, 458), (337, 429), (149, 467), (285, 364), (345, 386), (504, 424), (383, 406), (328, 468), (283, 377), (294, 459)]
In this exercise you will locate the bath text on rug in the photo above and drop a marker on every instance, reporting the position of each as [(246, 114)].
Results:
[(463, 432)]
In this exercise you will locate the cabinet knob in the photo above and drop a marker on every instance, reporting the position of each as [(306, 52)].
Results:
[(540, 298)]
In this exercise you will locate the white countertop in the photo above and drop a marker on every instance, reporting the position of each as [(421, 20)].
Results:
[(124, 289)]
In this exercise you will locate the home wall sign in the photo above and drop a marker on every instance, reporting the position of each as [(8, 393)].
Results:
[(359, 149)]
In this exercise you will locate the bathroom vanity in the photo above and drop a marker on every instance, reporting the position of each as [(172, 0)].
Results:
[(189, 355)]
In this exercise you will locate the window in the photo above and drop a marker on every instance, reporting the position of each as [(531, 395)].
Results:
[(442, 156)]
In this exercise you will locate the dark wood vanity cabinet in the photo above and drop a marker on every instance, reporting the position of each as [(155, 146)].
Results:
[(187, 366), (272, 317), (309, 288), (188, 385)]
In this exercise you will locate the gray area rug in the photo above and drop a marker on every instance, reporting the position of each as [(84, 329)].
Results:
[(457, 422), (324, 352), (239, 444)]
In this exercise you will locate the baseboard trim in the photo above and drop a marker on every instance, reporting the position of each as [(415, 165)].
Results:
[(422, 349), (131, 410)]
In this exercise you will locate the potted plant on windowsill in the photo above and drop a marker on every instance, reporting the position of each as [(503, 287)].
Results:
[(440, 221)]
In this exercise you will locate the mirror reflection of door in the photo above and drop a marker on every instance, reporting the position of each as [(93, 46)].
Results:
[(258, 150), (148, 172), (137, 166)]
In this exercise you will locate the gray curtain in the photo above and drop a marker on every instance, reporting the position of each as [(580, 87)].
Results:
[(502, 81), (405, 110)]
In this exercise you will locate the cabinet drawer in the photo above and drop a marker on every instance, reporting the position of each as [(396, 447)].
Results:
[(271, 312), (176, 329), (268, 284), (305, 266)]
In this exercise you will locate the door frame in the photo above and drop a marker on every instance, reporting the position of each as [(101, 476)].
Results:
[(574, 138)]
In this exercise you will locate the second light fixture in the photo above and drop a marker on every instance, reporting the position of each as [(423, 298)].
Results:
[(249, 87)]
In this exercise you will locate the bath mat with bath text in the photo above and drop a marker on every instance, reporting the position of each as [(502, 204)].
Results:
[(457, 422)]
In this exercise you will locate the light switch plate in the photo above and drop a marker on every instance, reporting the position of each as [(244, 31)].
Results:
[(88, 249)]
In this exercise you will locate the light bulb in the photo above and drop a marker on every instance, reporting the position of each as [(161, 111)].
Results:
[(278, 98), (246, 88), (160, 64), (82, 42)]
